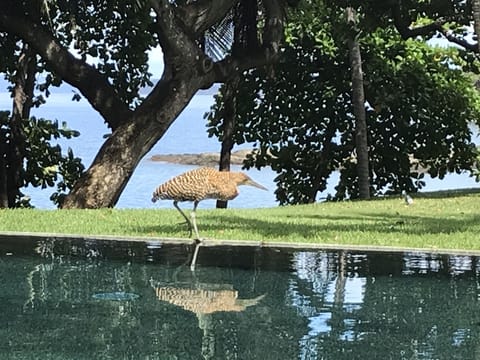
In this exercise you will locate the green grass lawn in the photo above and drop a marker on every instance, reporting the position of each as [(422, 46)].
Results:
[(444, 221)]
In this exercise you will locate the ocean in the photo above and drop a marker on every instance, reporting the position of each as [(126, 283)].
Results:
[(186, 135)]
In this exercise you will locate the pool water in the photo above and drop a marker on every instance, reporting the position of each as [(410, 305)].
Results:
[(77, 299)]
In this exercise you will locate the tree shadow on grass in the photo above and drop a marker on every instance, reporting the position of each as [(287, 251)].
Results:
[(310, 227), (412, 224), (174, 229), (375, 223)]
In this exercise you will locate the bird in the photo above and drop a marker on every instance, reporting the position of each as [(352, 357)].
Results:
[(200, 184), (408, 199)]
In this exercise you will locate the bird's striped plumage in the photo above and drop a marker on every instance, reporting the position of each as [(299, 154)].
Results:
[(199, 184)]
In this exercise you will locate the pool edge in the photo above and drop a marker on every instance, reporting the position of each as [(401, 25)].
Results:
[(241, 243)]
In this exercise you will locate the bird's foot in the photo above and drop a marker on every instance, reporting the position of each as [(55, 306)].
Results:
[(189, 227), (186, 223)]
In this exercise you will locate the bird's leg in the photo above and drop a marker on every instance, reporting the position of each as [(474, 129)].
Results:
[(175, 203), (199, 241), (194, 220)]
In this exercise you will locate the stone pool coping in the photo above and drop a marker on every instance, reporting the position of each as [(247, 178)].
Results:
[(239, 243)]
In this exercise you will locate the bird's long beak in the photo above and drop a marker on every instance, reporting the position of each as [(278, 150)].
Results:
[(255, 184)]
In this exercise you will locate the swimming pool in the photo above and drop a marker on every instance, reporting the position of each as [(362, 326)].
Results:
[(84, 299)]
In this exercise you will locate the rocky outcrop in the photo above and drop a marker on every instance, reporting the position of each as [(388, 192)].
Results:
[(237, 158), (202, 159)]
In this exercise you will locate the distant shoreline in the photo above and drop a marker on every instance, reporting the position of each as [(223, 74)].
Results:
[(202, 159), (237, 158)]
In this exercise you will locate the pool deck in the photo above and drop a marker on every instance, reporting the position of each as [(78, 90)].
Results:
[(239, 243)]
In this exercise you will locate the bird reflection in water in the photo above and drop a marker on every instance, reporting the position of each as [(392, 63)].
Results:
[(204, 300)]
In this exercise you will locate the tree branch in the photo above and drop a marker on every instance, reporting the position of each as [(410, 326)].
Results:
[(180, 47), (91, 83), (459, 41), (172, 37), (200, 15), (403, 26), (224, 69), (275, 17)]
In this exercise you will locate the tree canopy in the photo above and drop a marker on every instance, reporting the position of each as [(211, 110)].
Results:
[(27, 157), (420, 102), (99, 47)]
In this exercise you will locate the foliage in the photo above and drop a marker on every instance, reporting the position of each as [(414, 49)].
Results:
[(45, 165), (422, 106), (288, 129), (300, 122), (113, 35), (455, 15)]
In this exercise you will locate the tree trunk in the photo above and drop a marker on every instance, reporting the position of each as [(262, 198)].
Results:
[(245, 42), (11, 164), (228, 128), (22, 104), (324, 165), (106, 178), (3, 170), (358, 101), (476, 20)]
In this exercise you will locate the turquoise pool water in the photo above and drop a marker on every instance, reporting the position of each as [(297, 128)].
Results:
[(81, 299)]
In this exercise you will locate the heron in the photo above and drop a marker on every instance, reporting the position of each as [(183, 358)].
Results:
[(200, 184)]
